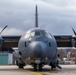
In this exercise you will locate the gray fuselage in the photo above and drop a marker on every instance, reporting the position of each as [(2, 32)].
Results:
[(37, 44)]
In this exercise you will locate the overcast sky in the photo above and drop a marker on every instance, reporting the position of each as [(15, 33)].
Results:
[(56, 16)]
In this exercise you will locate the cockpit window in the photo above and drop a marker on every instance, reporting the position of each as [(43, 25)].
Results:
[(43, 33), (27, 35), (32, 34), (38, 33)]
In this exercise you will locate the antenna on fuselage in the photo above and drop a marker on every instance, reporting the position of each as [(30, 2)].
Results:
[(3, 29), (36, 17)]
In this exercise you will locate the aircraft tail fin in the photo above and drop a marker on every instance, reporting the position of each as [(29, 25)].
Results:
[(73, 31), (3, 29), (36, 17)]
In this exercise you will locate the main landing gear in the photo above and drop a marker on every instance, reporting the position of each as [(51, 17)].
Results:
[(20, 65), (54, 65)]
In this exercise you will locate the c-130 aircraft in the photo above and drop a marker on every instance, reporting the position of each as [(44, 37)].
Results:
[(37, 47)]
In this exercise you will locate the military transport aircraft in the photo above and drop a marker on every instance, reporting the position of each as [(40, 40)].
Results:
[(37, 47)]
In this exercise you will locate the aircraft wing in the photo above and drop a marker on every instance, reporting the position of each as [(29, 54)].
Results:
[(62, 41), (65, 40), (10, 41)]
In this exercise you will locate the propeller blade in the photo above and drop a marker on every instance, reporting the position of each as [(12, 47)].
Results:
[(3, 29), (74, 31)]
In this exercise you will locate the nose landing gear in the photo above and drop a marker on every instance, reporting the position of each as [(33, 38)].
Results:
[(40, 67), (37, 67)]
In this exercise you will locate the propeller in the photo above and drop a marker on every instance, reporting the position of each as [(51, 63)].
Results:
[(73, 38), (3, 29), (73, 31)]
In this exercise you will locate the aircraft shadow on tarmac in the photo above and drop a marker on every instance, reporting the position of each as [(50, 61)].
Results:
[(48, 69), (64, 70), (43, 70)]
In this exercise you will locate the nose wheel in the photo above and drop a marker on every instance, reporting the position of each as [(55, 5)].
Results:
[(35, 67), (21, 65), (38, 67)]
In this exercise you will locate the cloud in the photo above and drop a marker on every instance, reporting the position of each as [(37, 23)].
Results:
[(12, 31), (54, 15), (60, 2)]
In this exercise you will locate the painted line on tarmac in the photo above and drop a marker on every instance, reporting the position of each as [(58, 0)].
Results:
[(37, 73)]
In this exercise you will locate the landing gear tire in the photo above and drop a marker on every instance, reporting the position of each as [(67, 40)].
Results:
[(35, 67), (52, 67), (21, 65), (40, 67), (17, 63)]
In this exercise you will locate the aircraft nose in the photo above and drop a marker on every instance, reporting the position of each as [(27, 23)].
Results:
[(38, 49)]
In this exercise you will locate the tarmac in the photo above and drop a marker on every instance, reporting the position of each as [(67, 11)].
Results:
[(28, 70)]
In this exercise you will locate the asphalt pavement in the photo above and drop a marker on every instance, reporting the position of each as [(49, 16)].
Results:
[(28, 70)]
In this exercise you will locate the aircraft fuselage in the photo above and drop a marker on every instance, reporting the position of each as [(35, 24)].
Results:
[(37, 46)]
